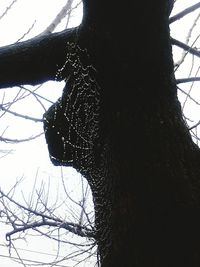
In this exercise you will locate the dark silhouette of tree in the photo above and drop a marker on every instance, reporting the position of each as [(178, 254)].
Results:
[(120, 124)]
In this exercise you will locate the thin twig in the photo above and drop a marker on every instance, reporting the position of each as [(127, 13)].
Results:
[(185, 52), (182, 91), (27, 32), (72, 227), (34, 93), (195, 125), (63, 225), (7, 9), (189, 93), (16, 141), (20, 115)]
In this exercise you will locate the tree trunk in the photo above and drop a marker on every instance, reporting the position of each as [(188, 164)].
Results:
[(119, 123), (147, 214), (143, 165)]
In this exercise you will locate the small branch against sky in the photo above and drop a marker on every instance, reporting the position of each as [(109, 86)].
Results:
[(20, 115), (194, 24), (188, 80), (27, 32), (187, 48), (4, 153), (60, 16), (190, 89), (189, 96), (70, 13), (7, 9), (188, 38), (184, 12), (38, 98), (40, 216), (21, 140), (33, 92), (55, 224), (195, 125)]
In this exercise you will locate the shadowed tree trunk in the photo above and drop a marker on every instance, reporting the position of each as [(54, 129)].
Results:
[(119, 123)]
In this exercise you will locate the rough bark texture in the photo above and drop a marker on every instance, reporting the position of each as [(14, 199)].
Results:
[(120, 124)]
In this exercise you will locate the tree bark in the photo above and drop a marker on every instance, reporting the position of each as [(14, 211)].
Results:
[(34, 61), (139, 158)]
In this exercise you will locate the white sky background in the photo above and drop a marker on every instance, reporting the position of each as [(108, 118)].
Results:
[(29, 157)]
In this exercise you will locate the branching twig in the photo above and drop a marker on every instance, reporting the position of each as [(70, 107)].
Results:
[(75, 230), (195, 125), (46, 220)]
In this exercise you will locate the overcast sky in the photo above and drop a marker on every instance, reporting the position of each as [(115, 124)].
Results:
[(28, 158)]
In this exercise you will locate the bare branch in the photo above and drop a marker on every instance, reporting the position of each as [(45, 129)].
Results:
[(188, 80), (195, 125), (61, 15), (7, 9), (70, 12), (185, 52), (61, 225), (27, 32), (184, 103), (15, 141), (36, 95), (192, 28), (184, 13), (188, 48), (20, 115), (45, 220), (189, 96)]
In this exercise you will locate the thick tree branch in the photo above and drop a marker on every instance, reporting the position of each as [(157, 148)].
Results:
[(34, 61)]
